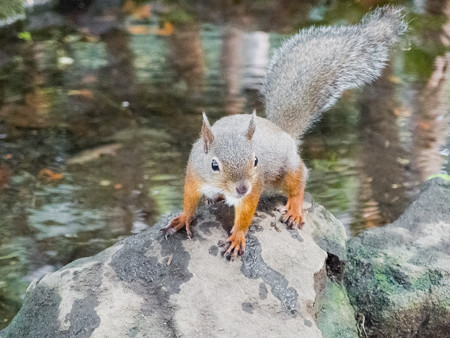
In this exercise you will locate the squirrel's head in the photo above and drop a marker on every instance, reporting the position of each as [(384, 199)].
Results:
[(229, 161)]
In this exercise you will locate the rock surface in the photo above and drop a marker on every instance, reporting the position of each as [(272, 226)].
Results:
[(398, 276), (11, 12), (148, 286)]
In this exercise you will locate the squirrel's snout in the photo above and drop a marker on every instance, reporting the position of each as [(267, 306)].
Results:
[(242, 189), (236, 191)]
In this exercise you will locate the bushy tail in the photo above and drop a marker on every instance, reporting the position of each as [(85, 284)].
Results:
[(310, 71)]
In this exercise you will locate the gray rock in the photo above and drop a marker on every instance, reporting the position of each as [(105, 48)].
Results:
[(335, 318), (17, 10), (148, 286), (334, 314), (31, 5), (398, 276), (11, 12)]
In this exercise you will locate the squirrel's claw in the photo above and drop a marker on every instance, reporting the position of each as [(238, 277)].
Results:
[(176, 224), (167, 231), (292, 218), (233, 247), (188, 233), (282, 209), (293, 221), (215, 200), (224, 245), (235, 255)]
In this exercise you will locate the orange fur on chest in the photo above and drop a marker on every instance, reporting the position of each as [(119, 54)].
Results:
[(245, 210)]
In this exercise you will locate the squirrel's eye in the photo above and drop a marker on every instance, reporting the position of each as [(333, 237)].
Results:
[(214, 165), (256, 161)]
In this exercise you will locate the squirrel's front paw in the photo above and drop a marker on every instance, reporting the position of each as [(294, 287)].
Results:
[(176, 224), (291, 217), (215, 200), (234, 246)]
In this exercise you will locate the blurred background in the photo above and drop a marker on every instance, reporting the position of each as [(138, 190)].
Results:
[(100, 102)]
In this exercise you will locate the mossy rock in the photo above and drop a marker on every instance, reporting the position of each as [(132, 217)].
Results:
[(398, 276), (11, 11), (336, 317)]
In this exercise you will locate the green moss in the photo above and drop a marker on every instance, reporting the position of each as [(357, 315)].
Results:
[(427, 280), (443, 176), (383, 283), (336, 317), (387, 278), (10, 9), (381, 278)]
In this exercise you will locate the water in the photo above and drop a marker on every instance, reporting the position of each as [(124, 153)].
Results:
[(99, 108)]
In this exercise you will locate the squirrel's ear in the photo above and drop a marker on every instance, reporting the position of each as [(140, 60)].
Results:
[(207, 135), (251, 126)]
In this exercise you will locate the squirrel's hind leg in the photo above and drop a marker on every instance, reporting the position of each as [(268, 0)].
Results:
[(293, 183)]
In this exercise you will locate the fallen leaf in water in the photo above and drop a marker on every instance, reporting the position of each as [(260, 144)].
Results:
[(423, 125), (49, 175), (5, 176), (395, 79), (87, 36), (65, 61), (403, 161), (403, 112), (7, 157), (118, 186), (167, 29), (95, 153), (104, 183), (86, 93), (89, 79), (140, 29), (24, 36)]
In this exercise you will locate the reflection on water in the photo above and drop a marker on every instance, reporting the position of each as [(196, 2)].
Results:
[(99, 109)]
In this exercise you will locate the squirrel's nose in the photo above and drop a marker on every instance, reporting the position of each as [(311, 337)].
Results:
[(242, 189)]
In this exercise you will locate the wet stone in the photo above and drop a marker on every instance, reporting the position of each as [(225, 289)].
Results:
[(262, 291), (213, 250), (247, 307), (295, 234), (166, 287)]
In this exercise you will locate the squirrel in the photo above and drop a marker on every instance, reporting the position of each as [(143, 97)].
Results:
[(240, 156)]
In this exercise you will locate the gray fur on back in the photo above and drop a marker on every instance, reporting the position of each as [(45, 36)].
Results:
[(310, 71)]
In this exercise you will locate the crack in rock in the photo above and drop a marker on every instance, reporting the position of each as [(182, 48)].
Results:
[(254, 267)]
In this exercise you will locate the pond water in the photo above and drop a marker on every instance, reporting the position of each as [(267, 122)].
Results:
[(99, 108)]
